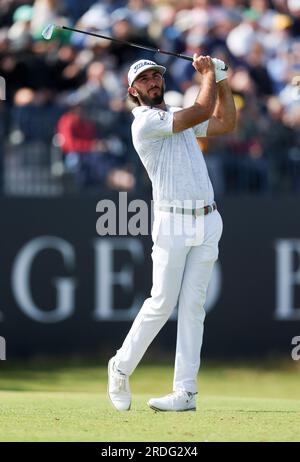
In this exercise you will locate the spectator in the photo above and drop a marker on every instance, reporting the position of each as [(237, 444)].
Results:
[(87, 156), (94, 90), (245, 163), (259, 39), (279, 139), (292, 119), (258, 71)]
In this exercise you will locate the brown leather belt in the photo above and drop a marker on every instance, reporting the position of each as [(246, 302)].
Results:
[(195, 212)]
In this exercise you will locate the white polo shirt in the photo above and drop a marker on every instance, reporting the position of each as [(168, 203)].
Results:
[(173, 161)]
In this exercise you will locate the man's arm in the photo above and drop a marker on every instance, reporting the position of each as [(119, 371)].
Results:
[(223, 118), (204, 105)]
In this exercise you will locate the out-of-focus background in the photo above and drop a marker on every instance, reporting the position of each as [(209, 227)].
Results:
[(68, 295), (66, 144)]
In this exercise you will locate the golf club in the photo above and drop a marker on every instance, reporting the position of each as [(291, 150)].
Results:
[(48, 32)]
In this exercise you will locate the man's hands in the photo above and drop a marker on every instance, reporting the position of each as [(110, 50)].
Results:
[(205, 64)]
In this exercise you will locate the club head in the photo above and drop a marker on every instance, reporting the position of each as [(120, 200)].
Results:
[(48, 32)]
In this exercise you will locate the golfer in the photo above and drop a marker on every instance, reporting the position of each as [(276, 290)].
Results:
[(166, 139)]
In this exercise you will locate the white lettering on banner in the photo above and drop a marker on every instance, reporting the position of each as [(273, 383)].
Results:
[(2, 349), (65, 287), (287, 277), (106, 278)]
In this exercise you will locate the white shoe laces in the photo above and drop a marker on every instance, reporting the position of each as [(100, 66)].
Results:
[(121, 383), (120, 379), (179, 394)]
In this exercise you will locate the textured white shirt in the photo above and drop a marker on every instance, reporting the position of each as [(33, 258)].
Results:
[(174, 161)]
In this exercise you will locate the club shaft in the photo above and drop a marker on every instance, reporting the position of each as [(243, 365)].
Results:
[(124, 42)]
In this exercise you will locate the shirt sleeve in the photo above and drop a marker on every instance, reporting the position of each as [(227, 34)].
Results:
[(153, 124), (201, 129)]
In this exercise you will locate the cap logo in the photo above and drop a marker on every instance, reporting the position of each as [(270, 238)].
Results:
[(144, 63)]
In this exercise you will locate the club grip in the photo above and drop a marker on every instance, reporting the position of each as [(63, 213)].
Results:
[(188, 58)]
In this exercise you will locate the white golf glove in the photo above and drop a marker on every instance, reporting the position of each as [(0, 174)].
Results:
[(220, 69)]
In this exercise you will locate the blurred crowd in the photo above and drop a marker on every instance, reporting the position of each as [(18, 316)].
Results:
[(70, 93)]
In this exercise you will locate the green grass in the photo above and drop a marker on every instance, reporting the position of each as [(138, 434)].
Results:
[(68, 402)]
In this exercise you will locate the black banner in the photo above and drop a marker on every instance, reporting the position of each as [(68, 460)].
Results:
[(64, 289)]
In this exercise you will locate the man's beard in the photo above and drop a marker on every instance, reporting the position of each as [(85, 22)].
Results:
[(148, 101)]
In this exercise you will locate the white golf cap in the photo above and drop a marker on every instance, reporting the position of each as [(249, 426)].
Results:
[(140, 66)]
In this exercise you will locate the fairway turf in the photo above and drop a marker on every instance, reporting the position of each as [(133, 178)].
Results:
[(56, 402)]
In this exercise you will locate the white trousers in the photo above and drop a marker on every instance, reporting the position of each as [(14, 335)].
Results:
[(182, 268)]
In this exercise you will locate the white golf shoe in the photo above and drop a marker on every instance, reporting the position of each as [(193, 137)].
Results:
[(118, 387), (177, 401)]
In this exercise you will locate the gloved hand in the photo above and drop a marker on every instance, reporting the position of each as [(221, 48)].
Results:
[(220, 69)]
